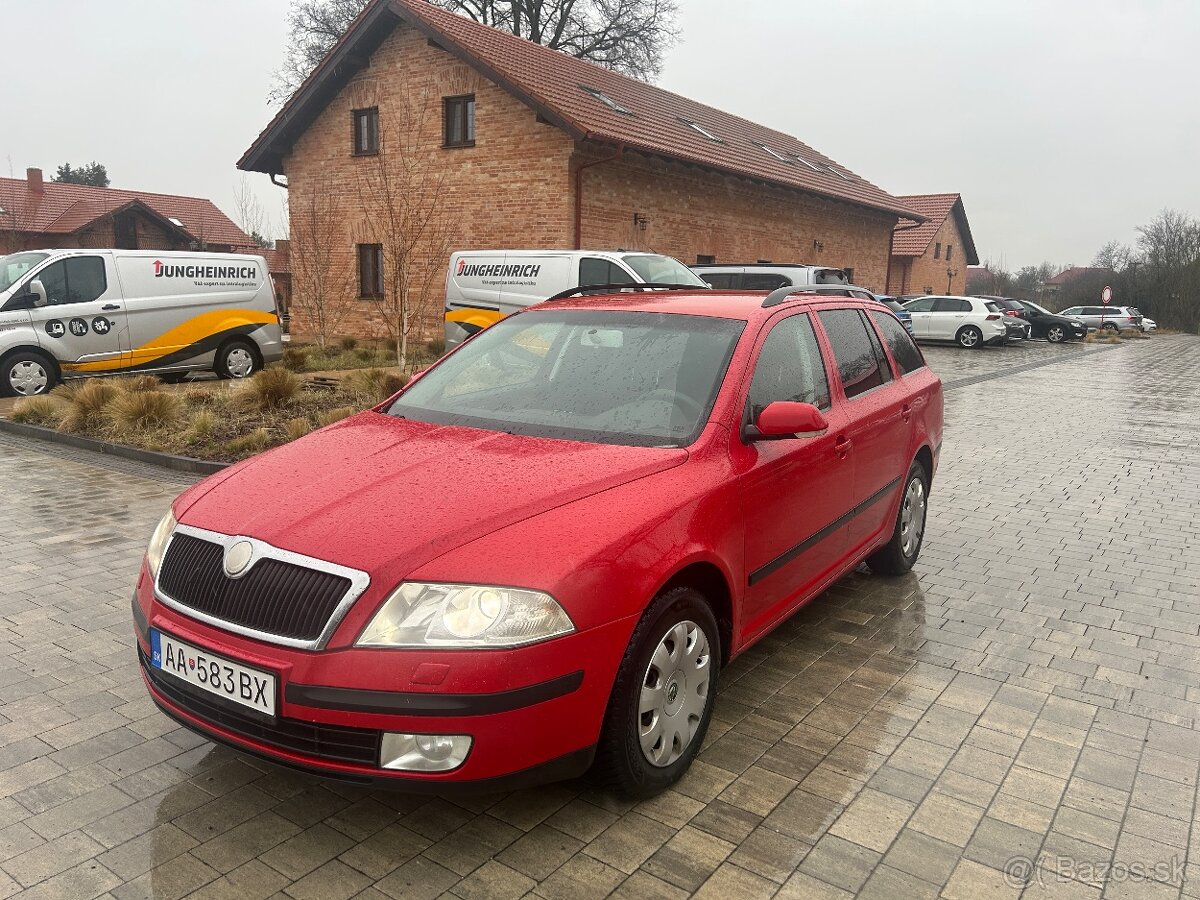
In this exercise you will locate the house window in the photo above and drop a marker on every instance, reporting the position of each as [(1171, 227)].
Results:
[(370, 270), (365, 139), (949, 250), (460, 121), (705, 259), (937, 250)]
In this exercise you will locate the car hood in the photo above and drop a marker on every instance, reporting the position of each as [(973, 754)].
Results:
[(377, 492)]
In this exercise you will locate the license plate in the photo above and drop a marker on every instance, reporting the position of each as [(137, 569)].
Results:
[(210, 672)]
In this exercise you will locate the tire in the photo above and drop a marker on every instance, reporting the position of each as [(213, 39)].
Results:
[(1110, 327), (237, 359), (897, 556), (1056, 334), (173, 377), (678, 621), (970, 337), (27, 373)]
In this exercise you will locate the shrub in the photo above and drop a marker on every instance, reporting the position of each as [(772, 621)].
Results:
[(295, 358), (44, 410), (203, 425), (134, 384), (86, 403), (297, 428), (249, 443), (366, 354), (269, 389), (139, 412), (372, 385), (347, 343), (329, 416)]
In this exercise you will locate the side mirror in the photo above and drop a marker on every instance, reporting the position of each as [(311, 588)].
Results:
[(785, 419), (36, 288)]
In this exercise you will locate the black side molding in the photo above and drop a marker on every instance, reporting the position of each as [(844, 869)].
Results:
[(140, 624), (430, 704)]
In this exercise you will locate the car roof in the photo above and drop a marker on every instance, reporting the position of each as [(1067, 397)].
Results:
[(744, 305)]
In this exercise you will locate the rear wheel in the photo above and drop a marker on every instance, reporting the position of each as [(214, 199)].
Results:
[(1109, 326), (27, 373), (1056, 334), (897, 556), (969, 337), (662, 699), (237, 359)]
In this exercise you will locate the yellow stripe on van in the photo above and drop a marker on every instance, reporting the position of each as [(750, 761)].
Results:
[(190, 332), (480, 318)]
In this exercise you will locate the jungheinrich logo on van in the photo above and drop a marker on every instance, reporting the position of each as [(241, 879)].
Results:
[(162, 270), (497, 270)]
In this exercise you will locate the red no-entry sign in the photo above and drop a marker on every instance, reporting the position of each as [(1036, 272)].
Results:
[(1106, 295)]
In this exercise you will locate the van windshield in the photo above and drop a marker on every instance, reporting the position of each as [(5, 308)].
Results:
[(830, 276), (638, 379), (654, 269), (13, 266)]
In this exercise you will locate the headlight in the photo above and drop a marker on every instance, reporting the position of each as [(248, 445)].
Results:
[(419, 614), (158, 542)]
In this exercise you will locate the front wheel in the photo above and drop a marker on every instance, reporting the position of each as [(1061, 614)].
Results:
[(897, 556), (1110, 327), (662, 699), (27, 373), (970, 337), (237, 359), (1056, 334)]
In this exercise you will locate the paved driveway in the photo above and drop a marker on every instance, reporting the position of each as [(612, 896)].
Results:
[(1019, 714)]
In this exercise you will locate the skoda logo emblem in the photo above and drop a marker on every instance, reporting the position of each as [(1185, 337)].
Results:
[(672, 692), (237, 558)]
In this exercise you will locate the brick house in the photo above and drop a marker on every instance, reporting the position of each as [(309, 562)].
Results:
[(536, 149), (932, 257)]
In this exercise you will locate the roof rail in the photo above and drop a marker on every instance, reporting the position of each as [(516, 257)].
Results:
[(778, 295), (585, 289)]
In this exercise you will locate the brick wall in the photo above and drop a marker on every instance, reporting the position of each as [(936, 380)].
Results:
[(914, 275)]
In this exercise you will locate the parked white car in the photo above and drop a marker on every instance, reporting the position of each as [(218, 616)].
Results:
[(1149, 325), (968, 321)]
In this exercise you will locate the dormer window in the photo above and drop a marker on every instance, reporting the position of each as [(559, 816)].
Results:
[(700, 129), (606, 100)]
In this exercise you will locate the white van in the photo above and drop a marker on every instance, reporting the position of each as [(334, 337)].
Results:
[(67, 313), (484, 286), (768, 276)]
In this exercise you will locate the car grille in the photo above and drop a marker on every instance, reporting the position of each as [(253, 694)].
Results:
[(359, 746), (276, 597)]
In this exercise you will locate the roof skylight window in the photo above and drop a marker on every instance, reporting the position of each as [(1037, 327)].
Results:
[(700, 129), (812, 165), (174, 221), (606, 100), (775, 153)]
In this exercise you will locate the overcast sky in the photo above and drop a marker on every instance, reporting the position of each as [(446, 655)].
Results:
[(1063, 123)]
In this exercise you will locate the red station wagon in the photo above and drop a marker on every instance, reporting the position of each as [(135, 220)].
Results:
[(536, 558)]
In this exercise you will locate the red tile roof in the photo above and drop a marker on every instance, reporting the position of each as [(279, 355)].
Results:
[(563, 89), (66, 208), (1066, 276)]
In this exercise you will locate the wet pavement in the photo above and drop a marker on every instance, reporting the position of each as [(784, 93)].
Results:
[(1015, 718)]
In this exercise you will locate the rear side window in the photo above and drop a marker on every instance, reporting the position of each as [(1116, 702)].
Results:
[(78, 279), (593, 270), (789, 367), (764, 282), (722, 282), (856, 350), (951, 304), (925, 304), (904, 351)]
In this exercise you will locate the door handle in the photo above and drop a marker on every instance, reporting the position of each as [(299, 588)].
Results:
[(906, 412), (110, 306), (841, 446)]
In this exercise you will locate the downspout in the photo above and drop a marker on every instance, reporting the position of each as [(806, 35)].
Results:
[(579, 190)]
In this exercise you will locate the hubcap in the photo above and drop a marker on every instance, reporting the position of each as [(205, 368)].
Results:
[(1056, 334), (239, 362), (968, 339), (674, 693), (28, 378), (912, 517)]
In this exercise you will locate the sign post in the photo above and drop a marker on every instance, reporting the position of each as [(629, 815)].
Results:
[(1105, 298)]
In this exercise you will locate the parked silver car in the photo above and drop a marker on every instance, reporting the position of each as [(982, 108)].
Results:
[(1110, 318)]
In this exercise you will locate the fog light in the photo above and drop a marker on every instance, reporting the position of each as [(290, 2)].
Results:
[(423, 752)]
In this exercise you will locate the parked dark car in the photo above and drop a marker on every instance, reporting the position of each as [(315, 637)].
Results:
[(902, 314), (1054, 327)]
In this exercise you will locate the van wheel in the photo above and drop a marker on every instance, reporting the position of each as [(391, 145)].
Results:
[(27, 373), (897, 556), (237, 359), (662, 699)]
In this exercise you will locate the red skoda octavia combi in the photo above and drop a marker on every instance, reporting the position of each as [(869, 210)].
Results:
[(536, 558)]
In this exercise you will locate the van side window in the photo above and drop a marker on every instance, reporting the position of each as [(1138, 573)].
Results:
[(789, 367), (854, 349), (764, 282), (593, 270), (77, 279), (724, 281)]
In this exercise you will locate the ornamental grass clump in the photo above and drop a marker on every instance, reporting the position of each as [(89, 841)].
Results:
[(45, 411), (249, 443), (297, 428), (142, 411), (86, 403), (329, 416), (269, 389), (369, 386)]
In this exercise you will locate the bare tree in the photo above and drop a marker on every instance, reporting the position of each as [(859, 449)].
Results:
[(1171, 241), (629, 36), (322, 278), (1113, 255), (250, 212), (403, 192)]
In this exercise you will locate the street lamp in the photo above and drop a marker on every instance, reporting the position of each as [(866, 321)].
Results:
[(950, 273)]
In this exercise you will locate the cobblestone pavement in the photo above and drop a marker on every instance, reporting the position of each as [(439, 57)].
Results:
[(1017, 717)]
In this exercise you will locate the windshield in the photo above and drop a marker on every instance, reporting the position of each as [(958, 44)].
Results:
[(13, 266), (1034, 306), (655, 269), (830, 276), (634, 378)]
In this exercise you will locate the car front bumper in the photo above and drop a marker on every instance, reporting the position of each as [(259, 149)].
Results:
[(533, 714)]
